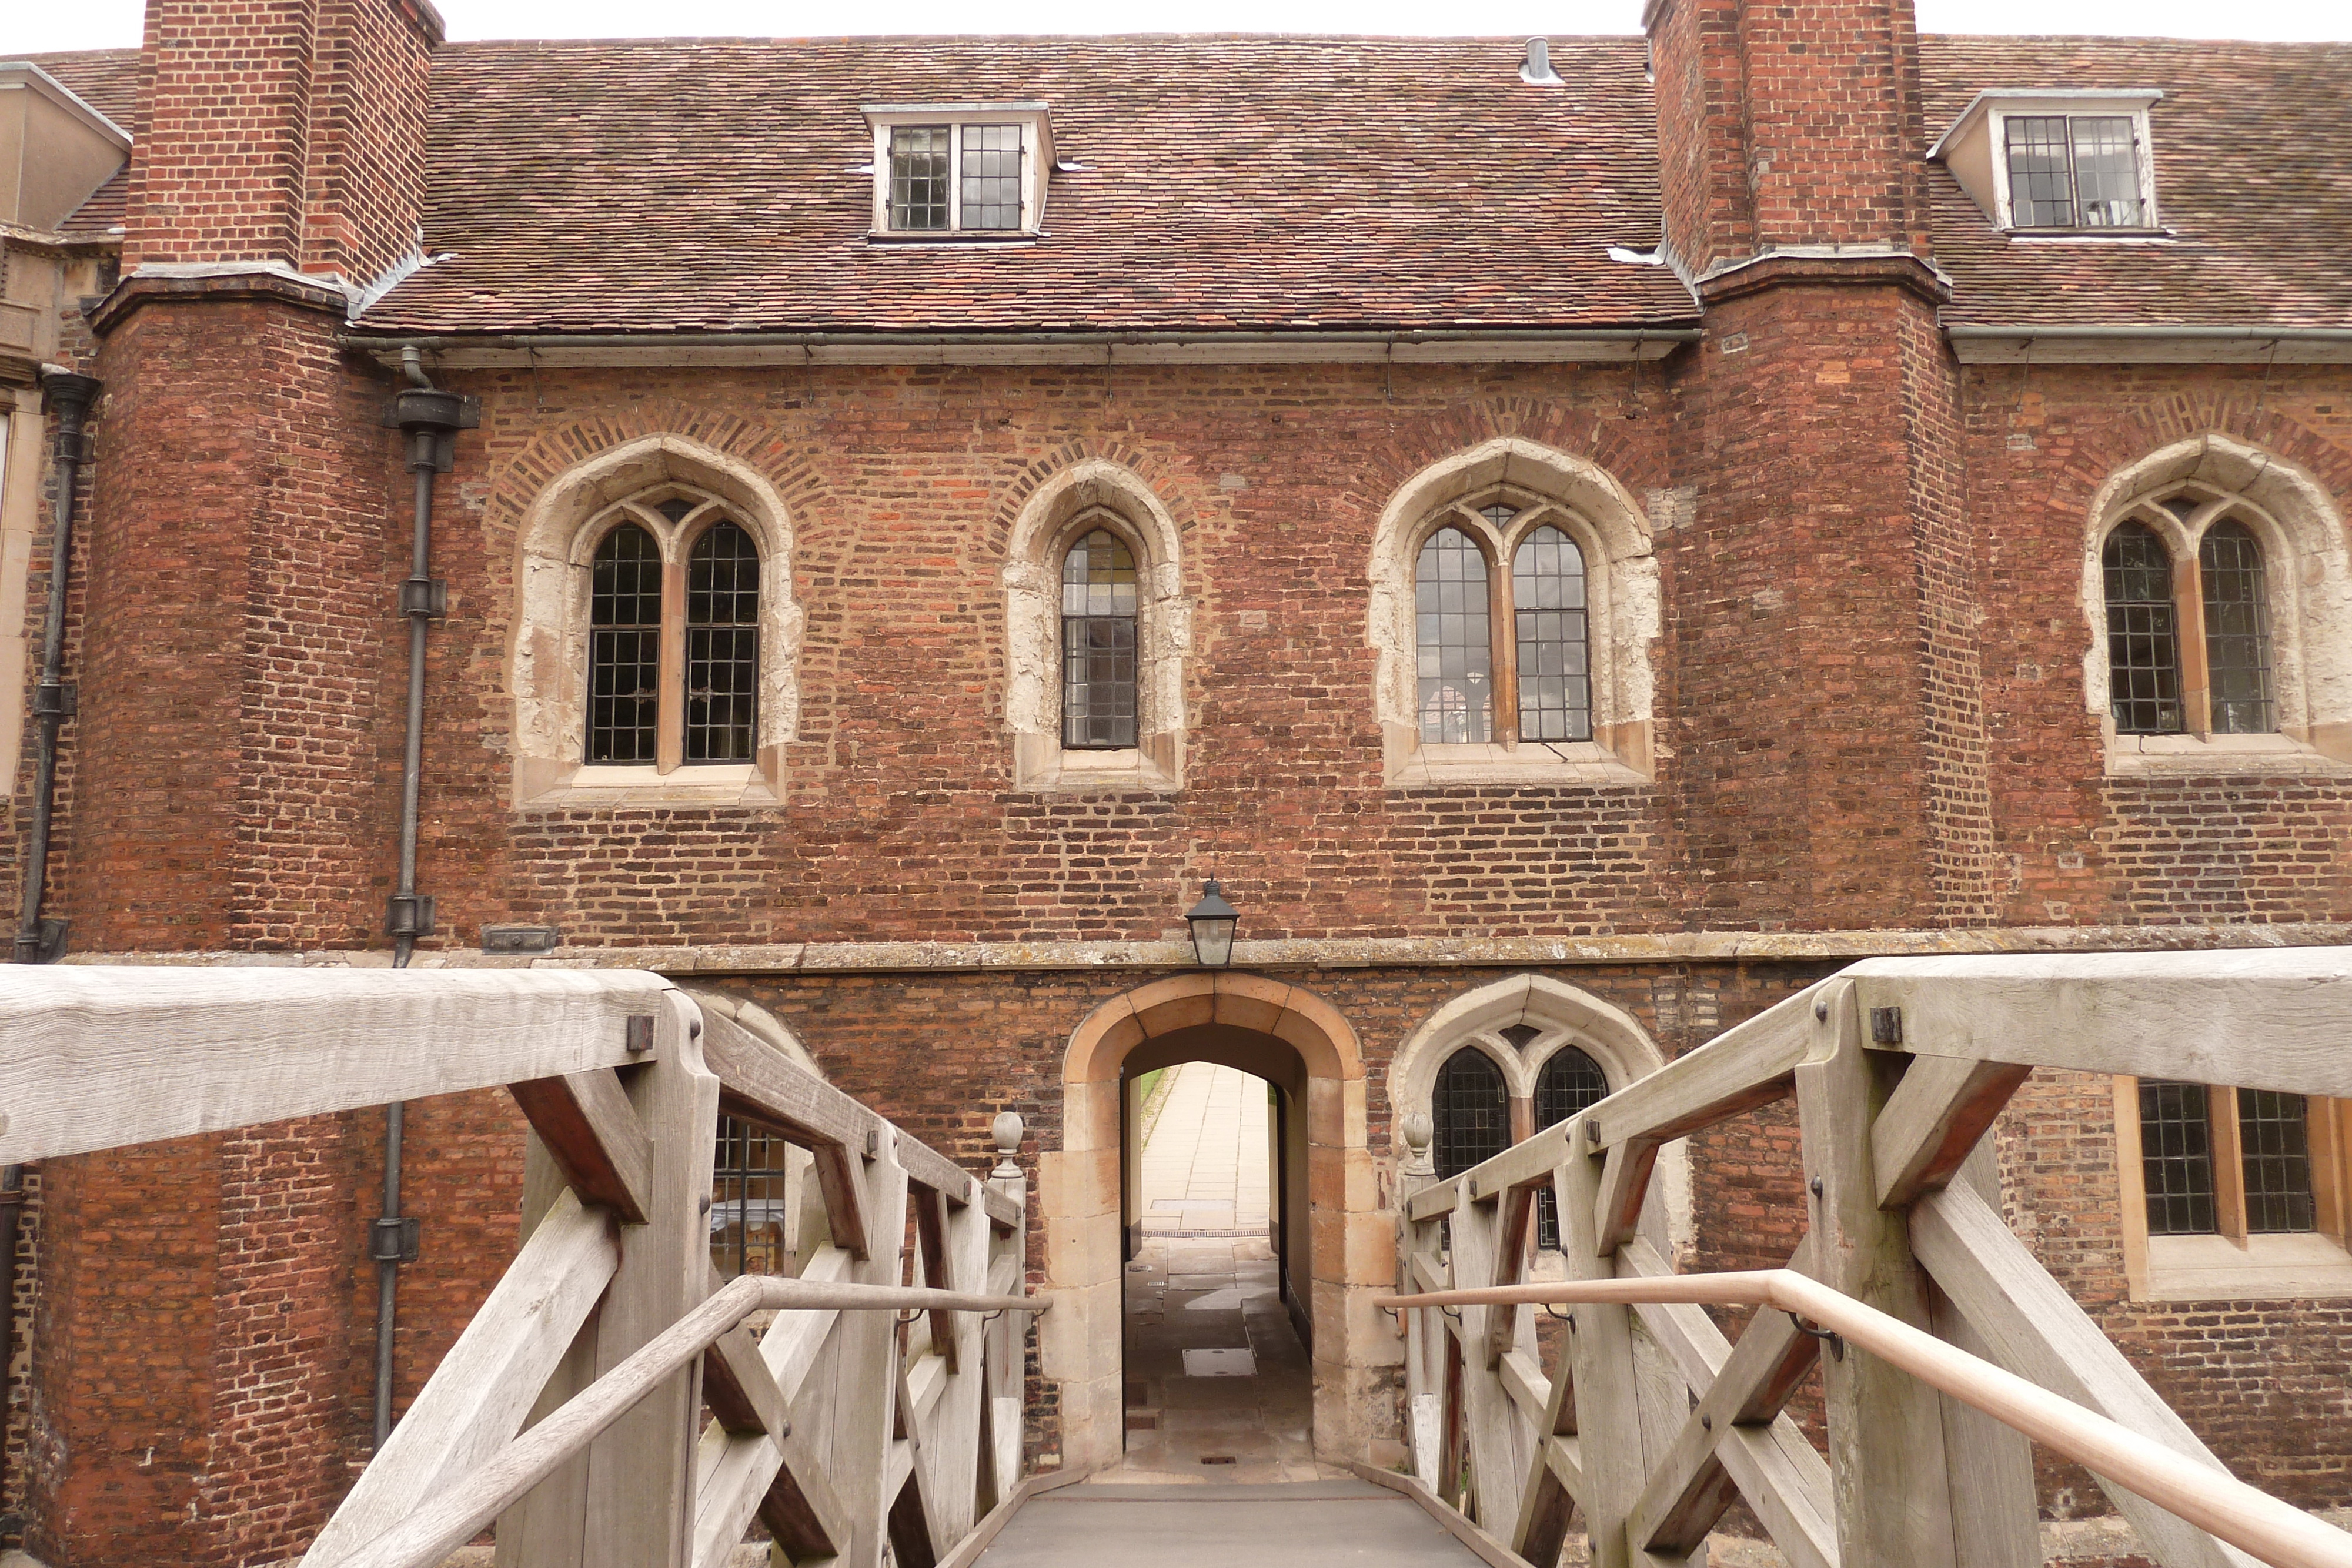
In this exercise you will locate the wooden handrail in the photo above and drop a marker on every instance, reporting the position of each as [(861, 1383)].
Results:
[(2219, 1503), (428, 1536)]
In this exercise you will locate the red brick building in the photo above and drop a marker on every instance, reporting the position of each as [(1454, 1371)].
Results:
[(1579, 547)]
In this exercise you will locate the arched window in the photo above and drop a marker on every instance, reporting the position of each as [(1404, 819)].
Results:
[(2237, 629), (674, 658), (2142, 634), (1569, 1082), (1548, 604), (1099, 644), (625, 647), (722, 645), (1470, 1112), (1457, 663)]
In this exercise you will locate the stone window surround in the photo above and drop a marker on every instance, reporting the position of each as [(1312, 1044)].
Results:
[(2280, 1266), (1090, 495), (547, 657), (1567, 1016), (1622, 616), (2309, 570)]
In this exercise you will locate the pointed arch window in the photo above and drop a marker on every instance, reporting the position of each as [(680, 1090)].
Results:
[(1570, 1082), (2237, 629), (625, 647), (2187, 622), (2142, 634), (1470, 1112), (1502, 658), (1099, 644), (674, 643)]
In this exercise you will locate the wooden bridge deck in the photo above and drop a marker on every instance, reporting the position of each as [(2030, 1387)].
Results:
[(1295, 1524)]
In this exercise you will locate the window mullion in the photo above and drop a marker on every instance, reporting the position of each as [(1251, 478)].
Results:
[(2196, 668), (955, 179), (2229, 1163), (669, 744), (2323, 1125), (1503, 638)]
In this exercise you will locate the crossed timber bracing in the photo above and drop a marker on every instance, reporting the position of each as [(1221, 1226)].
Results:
[(872, 1410), (1654, 1421)]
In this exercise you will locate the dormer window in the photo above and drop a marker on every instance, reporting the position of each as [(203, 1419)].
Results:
[(2044, 163), (950, 172)]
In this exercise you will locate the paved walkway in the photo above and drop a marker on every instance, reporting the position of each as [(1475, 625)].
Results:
[(1323, 1524), (1218, 1387)]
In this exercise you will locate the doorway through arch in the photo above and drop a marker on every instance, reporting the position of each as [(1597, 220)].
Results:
[(1323, 1211)]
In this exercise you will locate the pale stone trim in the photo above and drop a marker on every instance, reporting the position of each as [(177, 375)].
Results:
[(2310, 571), (1088, 495), (1319, 953), (548, 658), (1622, 584), (1617, 1044)]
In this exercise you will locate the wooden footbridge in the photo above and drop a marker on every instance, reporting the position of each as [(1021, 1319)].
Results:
[(613, 1405)]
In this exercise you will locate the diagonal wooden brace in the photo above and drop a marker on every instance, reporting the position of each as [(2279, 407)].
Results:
[(592, 1131)]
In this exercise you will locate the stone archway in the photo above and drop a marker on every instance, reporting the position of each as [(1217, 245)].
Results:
[(1351, 1240)]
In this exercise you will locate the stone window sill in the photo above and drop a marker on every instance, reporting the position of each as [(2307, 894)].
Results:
[(734, 784), (1562, 764), (2267, 1268), (1130, 772), (2129, 755)]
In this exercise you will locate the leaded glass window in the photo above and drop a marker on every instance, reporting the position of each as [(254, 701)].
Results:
[(1471, 1112), (2176, 1146), (2073, 172), (1569, 1082), (1547, 602), (1457, 660), (2274, 1142), (918, 176), (2143, 635), (722, 645), (1099, 644), (2237, 629), (992, 177), (624, 608), (748, 1217)]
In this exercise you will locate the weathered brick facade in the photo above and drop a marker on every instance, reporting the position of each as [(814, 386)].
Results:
[(1868, 731)]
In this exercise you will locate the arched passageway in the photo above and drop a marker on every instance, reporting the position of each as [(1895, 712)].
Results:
[(1334, 1246)]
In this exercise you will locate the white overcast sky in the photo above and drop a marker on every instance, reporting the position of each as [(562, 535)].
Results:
[(31, 27)]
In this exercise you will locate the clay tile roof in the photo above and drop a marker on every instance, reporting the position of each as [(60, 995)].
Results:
[(106, 80), (1252, 183), (102, 212), (2253, 178)]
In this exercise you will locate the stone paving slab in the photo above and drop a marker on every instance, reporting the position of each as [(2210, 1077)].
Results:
[(1311, 1524)]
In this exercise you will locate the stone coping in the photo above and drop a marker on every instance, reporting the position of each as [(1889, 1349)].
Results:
[(1304, 953)]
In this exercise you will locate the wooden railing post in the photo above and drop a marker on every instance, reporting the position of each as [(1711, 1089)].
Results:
[(1007, 1337), (627, 1502), (1887, 1459), (1598, 1356), (1423, 1371)]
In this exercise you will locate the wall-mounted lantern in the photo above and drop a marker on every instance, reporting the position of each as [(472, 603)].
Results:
[(1212, 921)]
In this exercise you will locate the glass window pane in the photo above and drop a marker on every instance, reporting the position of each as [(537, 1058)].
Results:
[(1099, 644), (2237, 629), (624, 600), (991, 176), (2176, 1150), (2143, 643), (749, 1223), (918, 176), (2106, 173), (1470, 1112), (722, 646), (1456, 656), (1570, 1082), (2275, 1142), (2041, 185), (1548, 604)]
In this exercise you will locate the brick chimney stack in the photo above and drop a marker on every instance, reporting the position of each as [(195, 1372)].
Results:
[(1788, 127), (285, 132), (1832, 730)]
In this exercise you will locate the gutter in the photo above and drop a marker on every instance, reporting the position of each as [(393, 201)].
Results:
[(1994, 342), (545, 348)]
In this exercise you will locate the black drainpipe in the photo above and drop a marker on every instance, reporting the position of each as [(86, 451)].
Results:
[(430, 420), (40, 941)]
